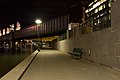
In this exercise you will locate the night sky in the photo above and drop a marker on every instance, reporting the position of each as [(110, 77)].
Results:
[(26, 11)]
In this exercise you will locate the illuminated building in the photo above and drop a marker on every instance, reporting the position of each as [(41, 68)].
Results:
[(99, 14)]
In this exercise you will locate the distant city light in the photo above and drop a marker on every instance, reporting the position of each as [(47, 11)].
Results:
[(0, 33), (18, 26), (12, 27), (8, 30), (3, 31)]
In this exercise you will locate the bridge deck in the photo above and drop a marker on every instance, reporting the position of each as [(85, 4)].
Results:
[(53, 65)]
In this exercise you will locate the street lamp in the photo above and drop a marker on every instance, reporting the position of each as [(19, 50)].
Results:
[(38, 22)]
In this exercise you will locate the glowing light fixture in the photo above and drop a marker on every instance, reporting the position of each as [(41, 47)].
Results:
[(38, 21)]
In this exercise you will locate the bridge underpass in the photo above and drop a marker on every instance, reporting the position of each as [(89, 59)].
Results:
[(44, 42)]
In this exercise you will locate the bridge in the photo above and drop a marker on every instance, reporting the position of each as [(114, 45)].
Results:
[(50, 28)]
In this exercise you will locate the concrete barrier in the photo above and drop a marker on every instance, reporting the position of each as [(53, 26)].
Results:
[(18, 71)]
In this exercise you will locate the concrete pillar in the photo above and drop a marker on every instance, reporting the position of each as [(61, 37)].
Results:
[(9, 44), (13, 42)]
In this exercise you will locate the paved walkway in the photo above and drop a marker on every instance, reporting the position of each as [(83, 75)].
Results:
[(54, 65)]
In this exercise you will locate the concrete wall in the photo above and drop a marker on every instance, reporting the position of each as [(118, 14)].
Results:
[(104, 44)]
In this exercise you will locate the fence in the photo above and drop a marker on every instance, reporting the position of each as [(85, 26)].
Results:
[(86, 27)]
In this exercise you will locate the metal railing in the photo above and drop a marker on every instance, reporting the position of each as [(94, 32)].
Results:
[(86, 28)]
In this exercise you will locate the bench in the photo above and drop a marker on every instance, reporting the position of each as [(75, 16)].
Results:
[(76, 53)]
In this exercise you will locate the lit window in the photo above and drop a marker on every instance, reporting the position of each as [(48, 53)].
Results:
[(86, 11), (95, 23), (98, 16), (101, 14), (96, 10), (94, 17), (109, 11), (87, 15), (95, 5), (95, 0), (104, 6), (102, 1), (109, 4), (98, 21), (100, 8), (90, 9), (90, 3)]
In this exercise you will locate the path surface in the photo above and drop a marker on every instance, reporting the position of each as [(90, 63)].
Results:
[(54, 65)]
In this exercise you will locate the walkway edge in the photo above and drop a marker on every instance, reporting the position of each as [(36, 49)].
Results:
[(19, 70)]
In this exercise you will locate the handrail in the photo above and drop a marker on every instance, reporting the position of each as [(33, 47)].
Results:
[(86, 28)]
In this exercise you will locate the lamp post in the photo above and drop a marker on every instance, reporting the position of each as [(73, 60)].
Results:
[(38, 22)]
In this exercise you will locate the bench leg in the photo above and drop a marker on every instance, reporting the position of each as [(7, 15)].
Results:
[(77, 57)]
